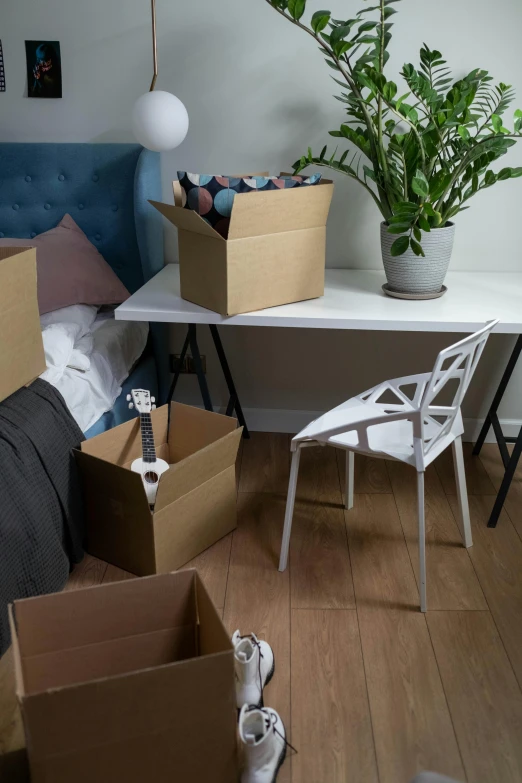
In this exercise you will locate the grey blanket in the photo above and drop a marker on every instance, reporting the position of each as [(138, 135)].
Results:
[(41, 511)]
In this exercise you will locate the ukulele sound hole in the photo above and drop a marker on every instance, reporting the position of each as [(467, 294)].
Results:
[(151, 477)]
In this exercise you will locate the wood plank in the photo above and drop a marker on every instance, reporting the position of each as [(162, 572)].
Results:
[(497, 557), (491, 459), (477, 479), (382, 572), (411, 721), (482, 692), (258, 596), (371, 475), (451, 579), (90, 572), (212, 566), (265, 463), (320, 571), (115, 574), (331, 726)]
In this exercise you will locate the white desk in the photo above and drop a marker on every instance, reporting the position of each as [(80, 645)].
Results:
[(353, 299)]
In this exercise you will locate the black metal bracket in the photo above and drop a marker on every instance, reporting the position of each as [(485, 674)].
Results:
[(191, 341), (492, 420)]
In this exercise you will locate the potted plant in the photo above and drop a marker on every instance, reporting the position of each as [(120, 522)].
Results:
[(422, 153)]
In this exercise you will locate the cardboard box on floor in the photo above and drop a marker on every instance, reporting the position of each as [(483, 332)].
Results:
[(126, 683), (274, 254), (196, 500), (22, 357)]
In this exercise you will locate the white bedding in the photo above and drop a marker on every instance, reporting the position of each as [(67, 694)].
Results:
[(88, 357)]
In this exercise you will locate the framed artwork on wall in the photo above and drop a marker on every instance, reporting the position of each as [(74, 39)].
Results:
[(2, 70), (44, 69)]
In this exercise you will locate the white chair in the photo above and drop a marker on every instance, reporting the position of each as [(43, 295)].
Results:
[(413, 428)]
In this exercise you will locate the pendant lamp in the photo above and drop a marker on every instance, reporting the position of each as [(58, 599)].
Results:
[(159, 120)]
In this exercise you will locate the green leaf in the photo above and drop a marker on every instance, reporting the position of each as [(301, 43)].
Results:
[(474, 183), (464, 132), (367, 26), (490, 178), (389, 91), (417, 249), (417, 233), (428, 210), (419, 184), (400, 246), (388, 12), (320, 20), (399, 228), (515, 173), (424, 223), (518, 113), (504, 173), (370, 173), (406, 206), (496, 121)]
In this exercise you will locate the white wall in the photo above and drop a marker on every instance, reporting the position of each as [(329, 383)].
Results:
[(258, 94)]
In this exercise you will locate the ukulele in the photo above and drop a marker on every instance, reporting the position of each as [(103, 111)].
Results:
[(148, 466)]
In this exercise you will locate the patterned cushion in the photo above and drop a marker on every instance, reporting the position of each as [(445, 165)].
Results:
[(212, 196)]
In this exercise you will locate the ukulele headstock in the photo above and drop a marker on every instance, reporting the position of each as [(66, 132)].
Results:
[(141, 400)]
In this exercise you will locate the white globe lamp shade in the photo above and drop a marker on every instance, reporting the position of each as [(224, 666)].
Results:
[(160, 121)]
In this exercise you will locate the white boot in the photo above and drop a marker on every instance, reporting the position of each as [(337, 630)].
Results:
[(254, 661), (263, 744)]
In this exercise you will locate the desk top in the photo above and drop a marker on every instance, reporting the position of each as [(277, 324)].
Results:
[(353, 299)]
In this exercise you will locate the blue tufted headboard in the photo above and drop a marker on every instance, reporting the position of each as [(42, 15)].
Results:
[(105, 188)]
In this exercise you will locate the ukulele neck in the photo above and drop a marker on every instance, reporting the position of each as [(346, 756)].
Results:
[(147, 438)]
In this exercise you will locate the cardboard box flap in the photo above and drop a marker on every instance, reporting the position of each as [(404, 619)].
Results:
[(198, 468), (122, 444), (192, 429), (110, 658), (60, 621), (22, 357), (186, 219), (19, 680), (277, 211), (213, 637)]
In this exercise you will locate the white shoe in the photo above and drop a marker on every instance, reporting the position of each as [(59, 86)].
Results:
[(263, 744), (254, 662)]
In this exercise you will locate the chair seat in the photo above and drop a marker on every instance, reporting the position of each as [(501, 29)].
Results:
[(390, 440)]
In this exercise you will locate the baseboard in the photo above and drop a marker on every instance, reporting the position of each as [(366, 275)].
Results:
[(292, 421)]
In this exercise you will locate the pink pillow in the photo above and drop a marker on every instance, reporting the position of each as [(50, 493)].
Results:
[(70, 269)]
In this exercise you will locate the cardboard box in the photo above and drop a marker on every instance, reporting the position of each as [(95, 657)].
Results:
[(274, 254), (196, 500), (22, 357), (126, 682)]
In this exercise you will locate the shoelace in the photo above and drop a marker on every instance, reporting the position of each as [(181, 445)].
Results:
[(270, 721)]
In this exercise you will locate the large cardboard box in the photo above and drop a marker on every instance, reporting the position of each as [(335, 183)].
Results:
[(22, 357), (127, 682), (196, 500), (274, 254)]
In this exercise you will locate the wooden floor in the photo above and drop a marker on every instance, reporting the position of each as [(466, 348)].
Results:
[(368, 687)]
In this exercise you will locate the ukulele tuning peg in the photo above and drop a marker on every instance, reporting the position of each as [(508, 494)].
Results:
[(131, 405), (153, 399), (128, 398), (153, 407)]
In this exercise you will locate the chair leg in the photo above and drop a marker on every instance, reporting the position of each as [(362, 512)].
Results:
[(462, 493), (289, 513), (422, 541), (349, 479)]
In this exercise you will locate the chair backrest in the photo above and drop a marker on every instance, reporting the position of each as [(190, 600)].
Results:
[(456, 363)]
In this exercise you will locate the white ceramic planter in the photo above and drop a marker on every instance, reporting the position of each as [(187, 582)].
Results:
[(411, 274)]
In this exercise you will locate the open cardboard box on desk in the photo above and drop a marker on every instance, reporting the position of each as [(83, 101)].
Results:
[(127, 682), (274, 254), (22, 357), (196, 500)]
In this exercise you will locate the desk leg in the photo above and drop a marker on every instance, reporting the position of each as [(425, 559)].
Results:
[(497, 399), (191, 341), (196, 358), (510, 461), (233, 402), (506, 481)]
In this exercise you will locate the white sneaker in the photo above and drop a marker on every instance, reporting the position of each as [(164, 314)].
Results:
[(263, 744), (254, 662)]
